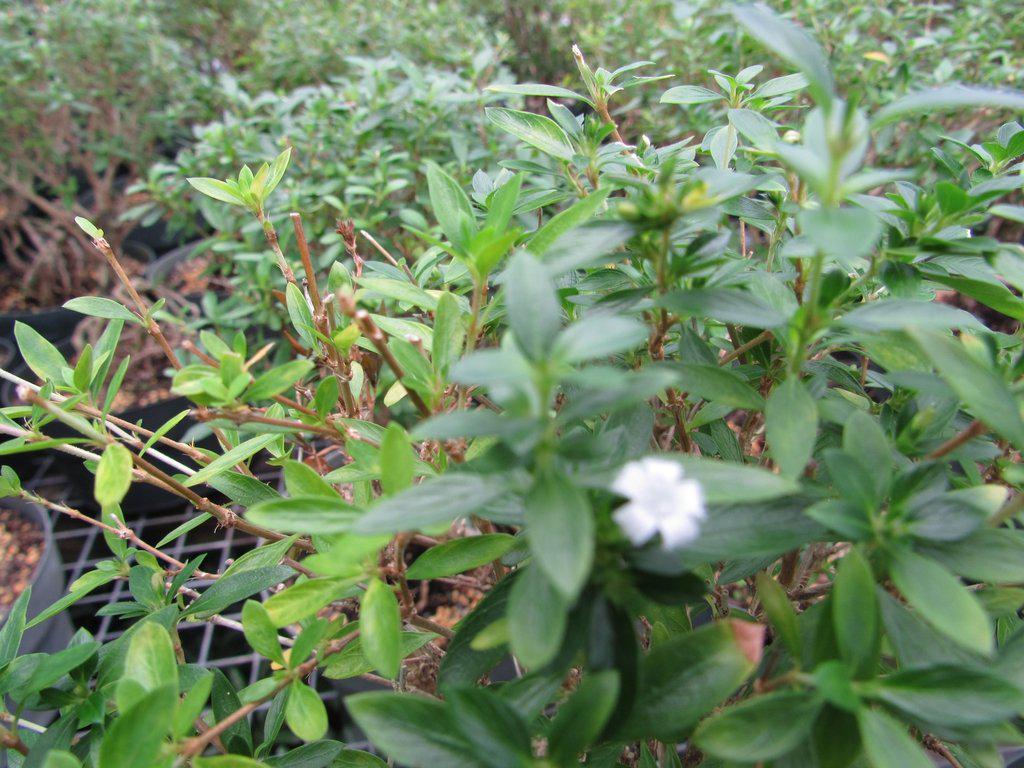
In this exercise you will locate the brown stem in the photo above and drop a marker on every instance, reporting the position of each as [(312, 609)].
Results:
[(744, 348), (11, 740), (975, 429)]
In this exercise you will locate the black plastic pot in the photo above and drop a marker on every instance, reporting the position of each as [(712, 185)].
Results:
[(160, 269), (56, 324), (7, 352), (47, 586), (142, 498)]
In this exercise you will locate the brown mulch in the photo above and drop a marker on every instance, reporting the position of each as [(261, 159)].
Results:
[(21, 549)]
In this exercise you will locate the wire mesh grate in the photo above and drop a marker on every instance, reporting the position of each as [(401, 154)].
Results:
[(208, 645)]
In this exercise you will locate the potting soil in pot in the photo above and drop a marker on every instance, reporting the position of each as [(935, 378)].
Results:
[(21, 549)]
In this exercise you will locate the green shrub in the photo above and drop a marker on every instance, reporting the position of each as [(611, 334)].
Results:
[(705, 426)]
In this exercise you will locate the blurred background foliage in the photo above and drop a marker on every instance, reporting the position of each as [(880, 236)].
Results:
[(104, 97)]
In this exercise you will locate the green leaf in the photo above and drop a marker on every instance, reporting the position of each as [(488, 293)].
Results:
[(135, 738), (396, 460), (150, 661), (855, 613), (560, 527), (718, 385), (302, 600), (229, 459), (278, 379), (300, 314), (684, 678), (887, 743), (725, 482), (537, 617), (791, 417), (537, 89), (41, 356), (351, 660), (501, 204), (113, 475), (261, 557), (791, 43), (58, 759), (412, 730), (941, 600), (565, 221), (260, 631), (980, 388), (435, 500), (451, 206), (88, 227), (491, 725), (399, 290), (14, 627), (846, 234), (276, 173), (538, 131), (597, 337), (380, 623), (219, 190), (995, 555), (727, 305), (460, 555), (582, 717), (305, 514), (780, 612), (533, 309), (951, 696), (83, 585), (232, 588), (898, 314), (449, 333), (761, 728), (228, 761), (305, 712), (948, 97), (96, 306), (354, 758), (302, 480), (690, 94)]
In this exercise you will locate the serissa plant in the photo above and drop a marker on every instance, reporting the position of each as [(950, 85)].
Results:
[(738, 480)]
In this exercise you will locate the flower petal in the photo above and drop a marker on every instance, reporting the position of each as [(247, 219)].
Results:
[(638, 525)]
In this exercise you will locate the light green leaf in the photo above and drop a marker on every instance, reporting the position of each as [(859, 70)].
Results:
[(305, 712), (40, 355), (978, 386), (97, 306), (560, 527), (536, 130), (460, 555), (113, 475), (791, 417), (948, 97), (380, 625), (229, 459), (941, 600)]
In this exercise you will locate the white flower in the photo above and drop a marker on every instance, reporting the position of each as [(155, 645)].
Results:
[(661, 500)]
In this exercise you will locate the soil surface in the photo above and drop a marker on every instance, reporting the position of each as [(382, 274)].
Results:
[(194, 275), (21, 549), (21, 292)]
